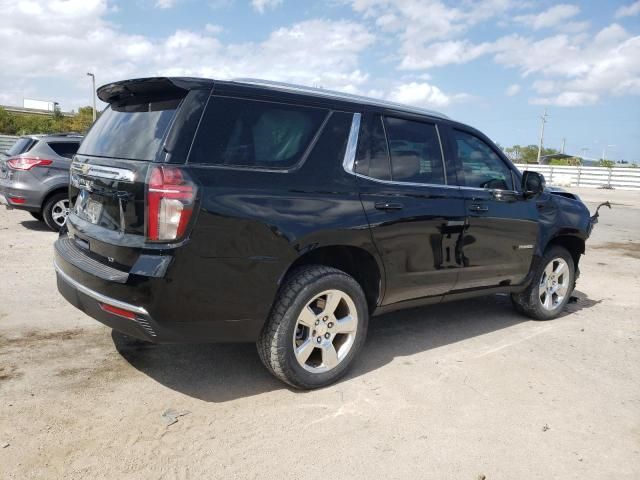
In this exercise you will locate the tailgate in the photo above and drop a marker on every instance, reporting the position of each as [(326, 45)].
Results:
[(148, 122)]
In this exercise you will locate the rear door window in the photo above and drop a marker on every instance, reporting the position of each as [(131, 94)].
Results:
[(416, 156), (132, 131), (251, 133), (64, 149), (22, 145)]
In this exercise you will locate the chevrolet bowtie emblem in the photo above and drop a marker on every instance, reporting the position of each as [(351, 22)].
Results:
[(85, 169)]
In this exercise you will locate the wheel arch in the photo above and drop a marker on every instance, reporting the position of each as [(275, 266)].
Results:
[(53, 191), (574, 244), (355, 261)]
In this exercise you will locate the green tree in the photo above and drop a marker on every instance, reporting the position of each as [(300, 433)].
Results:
[(570, 161), (16, 124), (528, 153), (7, 122), (606, 163)]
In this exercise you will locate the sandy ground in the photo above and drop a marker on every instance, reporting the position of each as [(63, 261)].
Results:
[(454, 391)]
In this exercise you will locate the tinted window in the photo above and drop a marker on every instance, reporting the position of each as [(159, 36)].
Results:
[(132, 131), (22, 145), (372, 158), (253, 133), (415, 151), (481, 165), (64, 149)]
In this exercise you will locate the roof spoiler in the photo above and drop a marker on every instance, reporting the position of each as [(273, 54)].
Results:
[(144, 87)]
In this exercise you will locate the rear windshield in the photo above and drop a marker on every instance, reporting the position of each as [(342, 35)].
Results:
[(22, 145), (130, 131)]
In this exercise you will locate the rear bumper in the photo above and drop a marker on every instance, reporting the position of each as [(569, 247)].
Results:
[(159, 313), (89, 302), (32, 199)]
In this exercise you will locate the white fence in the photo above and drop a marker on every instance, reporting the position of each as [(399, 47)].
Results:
[(596, 177), (6, 141)]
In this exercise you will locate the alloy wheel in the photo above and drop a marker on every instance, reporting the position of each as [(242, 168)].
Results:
[(60, 211), (554, 284), (325, 331)]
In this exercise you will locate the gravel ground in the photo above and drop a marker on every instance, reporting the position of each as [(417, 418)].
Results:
[(453, 391)]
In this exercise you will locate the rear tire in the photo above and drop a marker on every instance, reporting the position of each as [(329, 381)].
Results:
[(316, 328), (551, 286), (55, 211), (38, 216)]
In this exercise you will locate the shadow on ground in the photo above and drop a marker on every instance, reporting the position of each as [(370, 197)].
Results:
[(219, 373), (35, 225)]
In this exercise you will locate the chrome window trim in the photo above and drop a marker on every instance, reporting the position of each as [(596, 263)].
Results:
[(408, 184), (444, 164), (431, 185), (98, 296), (349, 159)]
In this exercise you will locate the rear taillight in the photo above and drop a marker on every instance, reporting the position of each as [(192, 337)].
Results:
[(170, 198), (26, 163)]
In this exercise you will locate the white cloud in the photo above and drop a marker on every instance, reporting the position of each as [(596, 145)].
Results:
[(262, 6), (568, 68), (552, 17), (419, 23), (630, 10), (164, 4), (31, 32), (213, 29), (424, 95), (568, 99), (512, 90)]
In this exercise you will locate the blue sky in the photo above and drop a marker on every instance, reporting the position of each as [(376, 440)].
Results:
[(495, 64)]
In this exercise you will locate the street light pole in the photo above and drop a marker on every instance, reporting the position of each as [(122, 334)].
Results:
[(93, 93)]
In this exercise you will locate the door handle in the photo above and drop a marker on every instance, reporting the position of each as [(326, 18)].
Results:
[(389, 206), (475, 207)]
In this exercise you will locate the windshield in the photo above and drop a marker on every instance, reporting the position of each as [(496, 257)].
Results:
[(130, 131), (22, 145)]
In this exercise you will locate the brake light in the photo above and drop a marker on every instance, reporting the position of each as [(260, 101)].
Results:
[(26, 163), (170, 198)]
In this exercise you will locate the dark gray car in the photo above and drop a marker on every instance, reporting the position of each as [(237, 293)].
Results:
[(34, 176)]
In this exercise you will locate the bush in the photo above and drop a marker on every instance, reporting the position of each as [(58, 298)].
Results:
[(17, 124), (570, 161)]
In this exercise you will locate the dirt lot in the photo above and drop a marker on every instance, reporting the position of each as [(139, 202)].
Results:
[(453, 391)]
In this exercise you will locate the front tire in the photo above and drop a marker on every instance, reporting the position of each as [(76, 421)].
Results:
[(551, 286), (316, 328), (55, 211)]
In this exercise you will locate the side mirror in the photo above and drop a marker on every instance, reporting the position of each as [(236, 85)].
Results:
[(533, 183)]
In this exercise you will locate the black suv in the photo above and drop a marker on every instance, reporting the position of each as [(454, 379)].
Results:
[(211, 211)]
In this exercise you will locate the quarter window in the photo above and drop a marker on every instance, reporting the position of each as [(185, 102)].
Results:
[(415, 151), (372, 158), (64, 149), (249, 133), (481, 165)]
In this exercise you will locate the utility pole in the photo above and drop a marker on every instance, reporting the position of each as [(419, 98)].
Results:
[(563, 143), (584, 151), (544, 120), (604, 151), (93, 93)]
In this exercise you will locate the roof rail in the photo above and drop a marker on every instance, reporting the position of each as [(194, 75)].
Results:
[(63, 134), (321, 92)]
